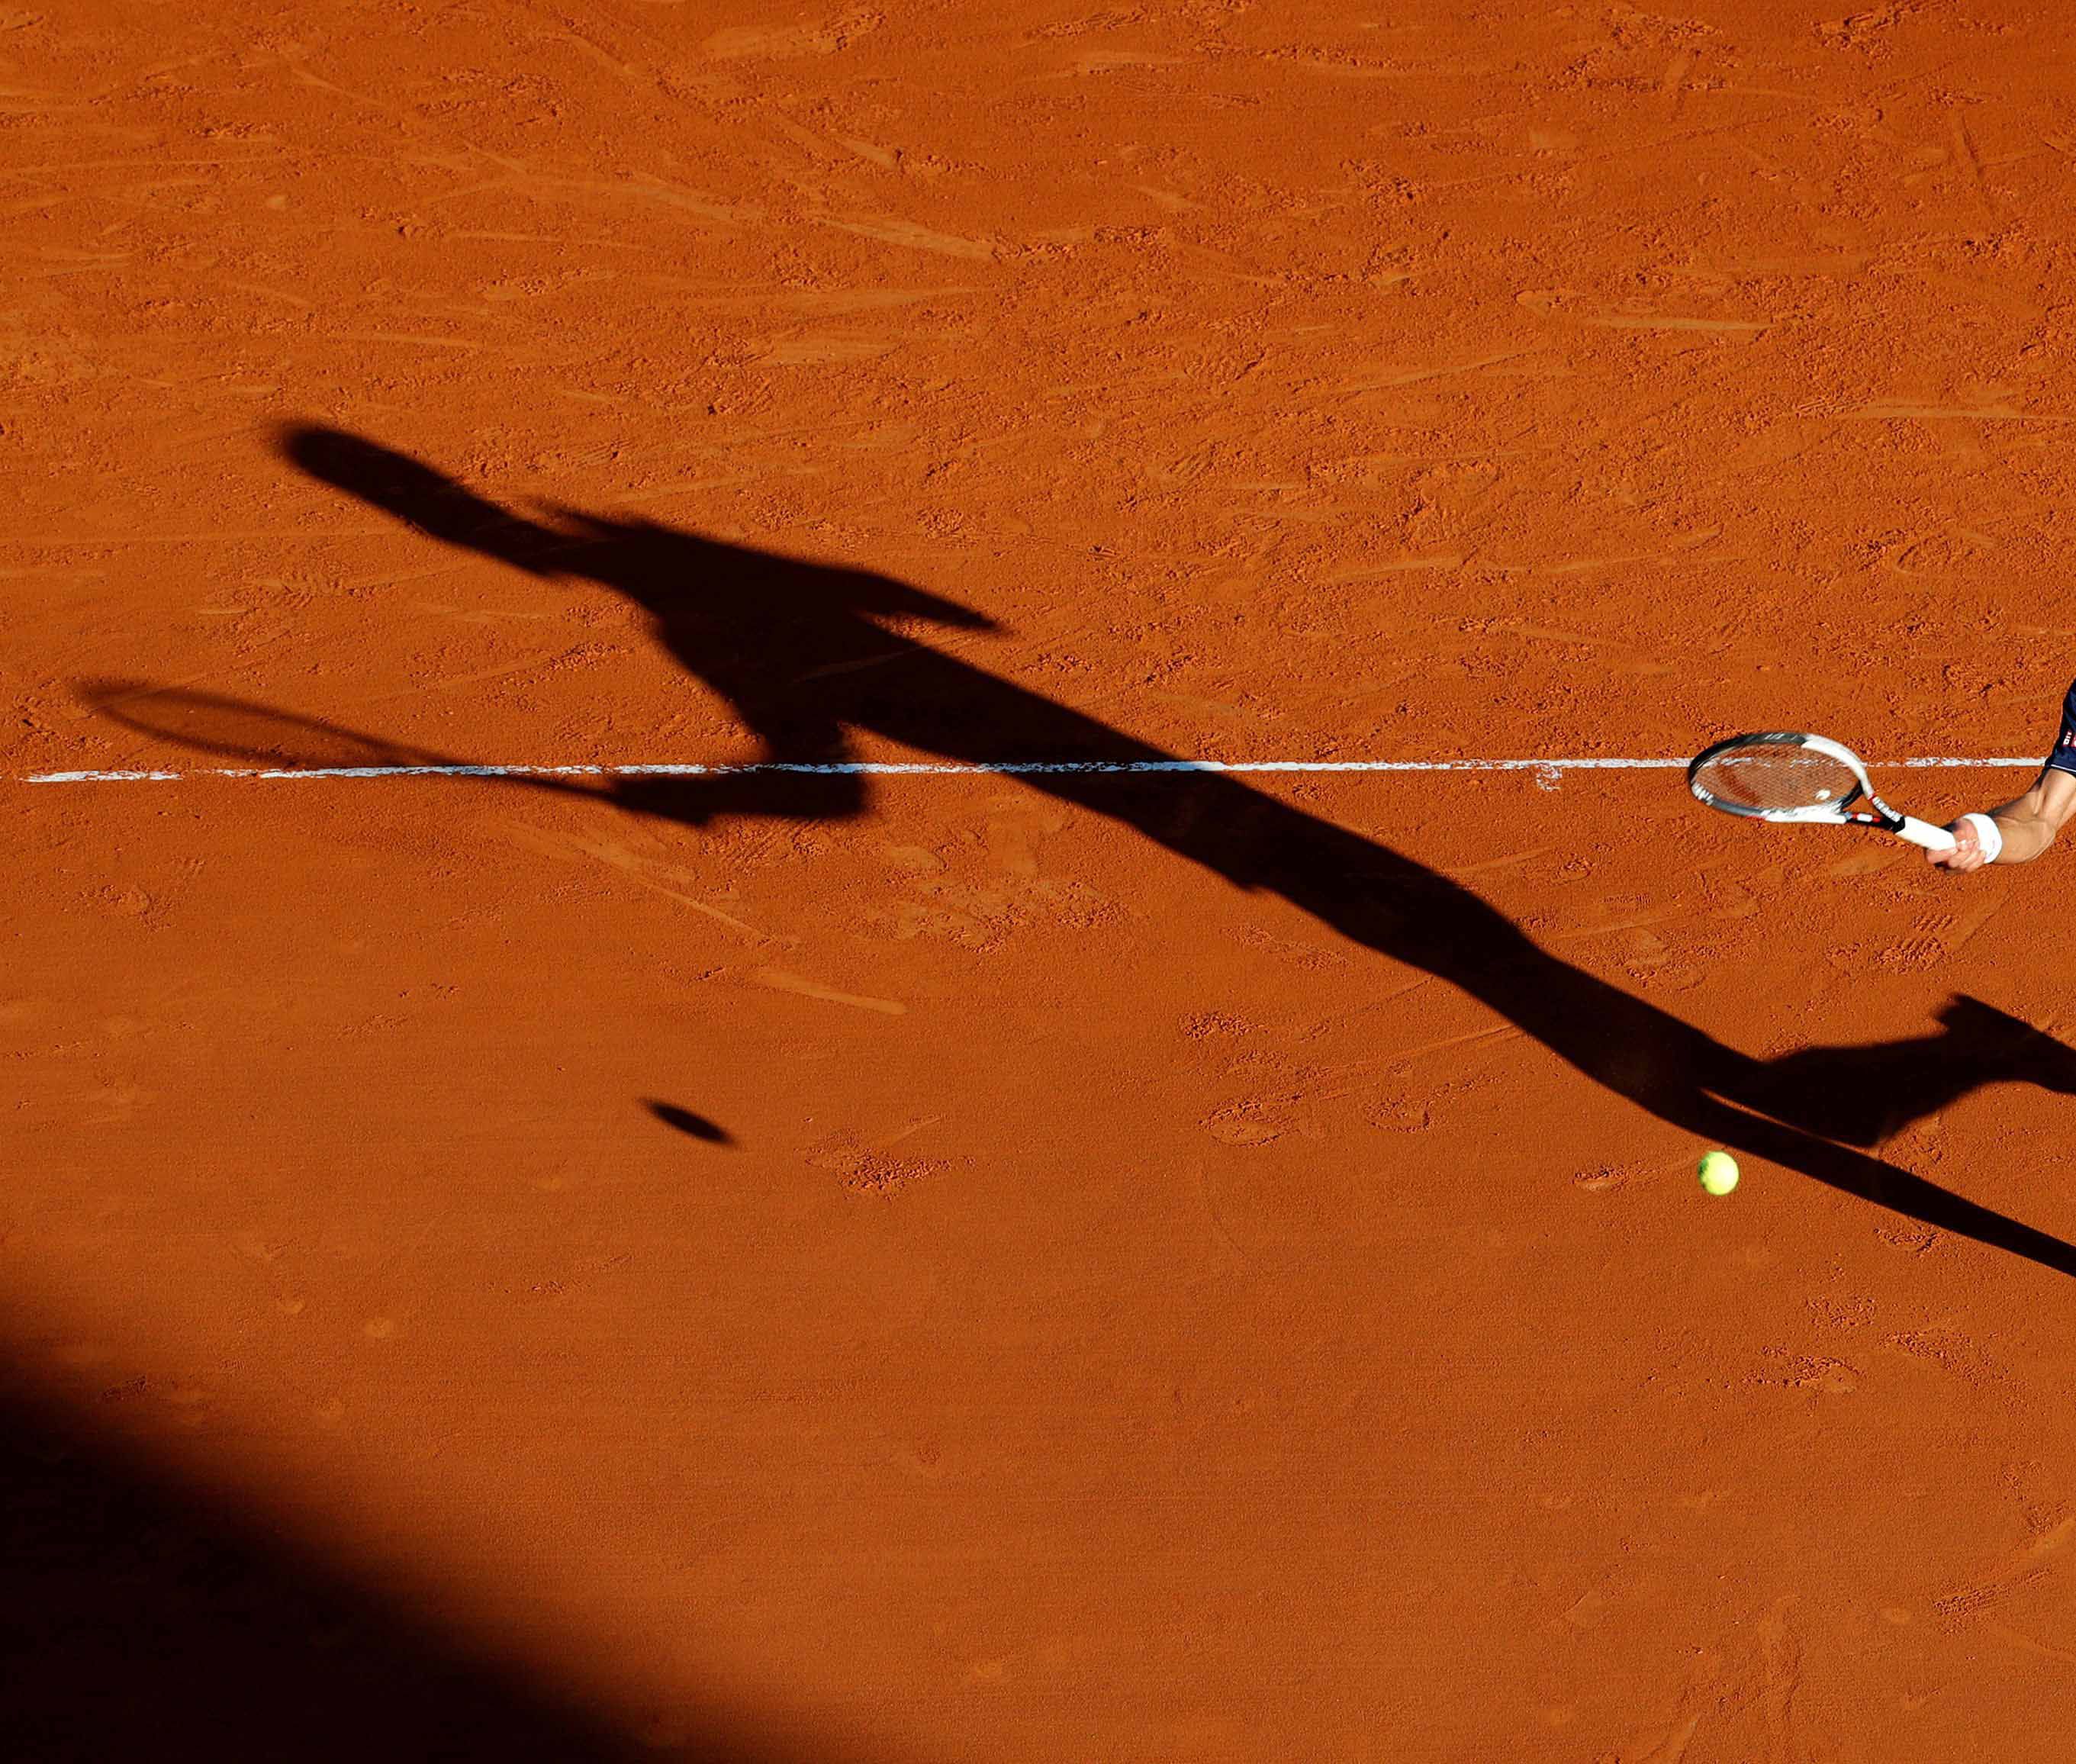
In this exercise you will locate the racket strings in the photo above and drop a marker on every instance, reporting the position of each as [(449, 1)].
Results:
[(1762, 778)]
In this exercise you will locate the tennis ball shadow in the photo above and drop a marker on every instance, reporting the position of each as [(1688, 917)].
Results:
[(697, 1126)]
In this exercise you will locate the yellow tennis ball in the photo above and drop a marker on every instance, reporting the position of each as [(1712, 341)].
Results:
[(1719, 1172)]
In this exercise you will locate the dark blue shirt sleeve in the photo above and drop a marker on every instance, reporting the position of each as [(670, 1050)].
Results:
[(2063, 758)]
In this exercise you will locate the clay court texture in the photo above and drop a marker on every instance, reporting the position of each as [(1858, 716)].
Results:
[(1053, 1254)]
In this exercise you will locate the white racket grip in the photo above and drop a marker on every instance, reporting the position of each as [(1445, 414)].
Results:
[(1988, 835), (1923, 832)]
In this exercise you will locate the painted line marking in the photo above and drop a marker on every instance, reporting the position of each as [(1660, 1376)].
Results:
[(896, 769)]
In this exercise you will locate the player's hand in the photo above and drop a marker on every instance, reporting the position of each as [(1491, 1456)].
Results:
[(1967, 852)]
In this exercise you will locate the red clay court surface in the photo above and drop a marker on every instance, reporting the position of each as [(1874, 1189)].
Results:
[(792, 1267)]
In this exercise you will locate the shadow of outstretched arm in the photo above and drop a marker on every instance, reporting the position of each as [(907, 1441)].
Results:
[(674, 569), (428, 500)]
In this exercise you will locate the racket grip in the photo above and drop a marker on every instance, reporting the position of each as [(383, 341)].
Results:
[(1923, 832)]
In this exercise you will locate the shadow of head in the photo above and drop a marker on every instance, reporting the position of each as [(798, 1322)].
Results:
[(696, 1126)]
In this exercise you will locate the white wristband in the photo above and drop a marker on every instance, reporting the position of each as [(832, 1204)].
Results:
[(1988, 837)]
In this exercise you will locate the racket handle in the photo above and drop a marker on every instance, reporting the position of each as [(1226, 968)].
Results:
[(1923, 832)]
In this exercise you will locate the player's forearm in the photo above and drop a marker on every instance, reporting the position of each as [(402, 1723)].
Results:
[(2027, 826), (2023, 839)]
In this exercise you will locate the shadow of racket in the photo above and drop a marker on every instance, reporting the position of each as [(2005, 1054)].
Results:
[(268, 741)]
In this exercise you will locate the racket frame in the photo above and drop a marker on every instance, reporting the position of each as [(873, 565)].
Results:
[(1840, 813)]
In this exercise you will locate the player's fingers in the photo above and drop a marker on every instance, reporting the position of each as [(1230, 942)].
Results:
[(1964, 856)]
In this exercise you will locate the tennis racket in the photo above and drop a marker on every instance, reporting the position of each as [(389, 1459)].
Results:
[(1801, 778)]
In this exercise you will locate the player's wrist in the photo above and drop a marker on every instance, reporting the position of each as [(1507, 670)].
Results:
[(1988, 837)]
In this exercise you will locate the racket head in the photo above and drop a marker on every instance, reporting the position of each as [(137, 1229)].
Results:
[(1779, 775)]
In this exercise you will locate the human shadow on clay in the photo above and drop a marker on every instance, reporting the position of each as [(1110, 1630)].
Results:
[(797, 649)]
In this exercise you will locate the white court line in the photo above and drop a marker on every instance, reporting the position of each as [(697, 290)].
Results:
[(1543, 768)]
